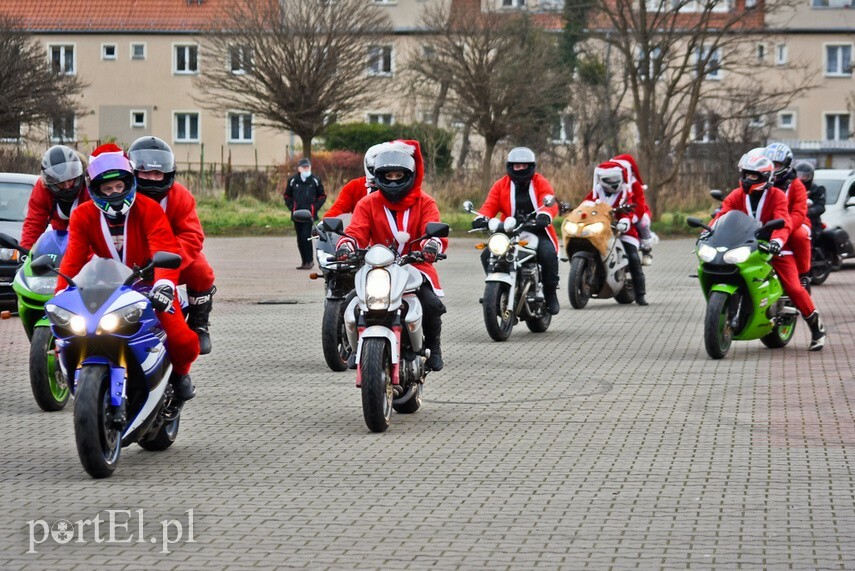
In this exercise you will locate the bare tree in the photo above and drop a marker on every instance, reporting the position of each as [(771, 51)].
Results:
[(499, 72), (682, 59), (30, 90), (294, 65)]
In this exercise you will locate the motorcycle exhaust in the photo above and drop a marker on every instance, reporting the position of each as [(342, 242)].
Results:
[(407, 396)]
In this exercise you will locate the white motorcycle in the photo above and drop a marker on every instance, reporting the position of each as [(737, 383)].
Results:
[(384, 323)]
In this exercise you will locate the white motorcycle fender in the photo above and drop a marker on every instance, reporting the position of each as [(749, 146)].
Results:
[(378, 331), (500, 277), (616, 260)]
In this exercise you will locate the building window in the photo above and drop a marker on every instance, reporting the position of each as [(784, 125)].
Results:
[(138, 119), (655, 66), (137, 51), (786, 120), (837, 126), (186, 59), (513, 3), (186, 127), (240, 59), (240, 127), (10, 132), (380, 118), (62, 59), (386, 1), (705, 128), (62, 128), (563, 130), (780, 54), (832, 3), (108, 51), (380, 60), (689, 5), (761, 52), (709, 62), (838, 60)]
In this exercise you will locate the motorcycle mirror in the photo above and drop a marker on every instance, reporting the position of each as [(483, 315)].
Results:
[(436, 230), (696, 223), (717, 194), (166, 260), (468, 206), (8, 242), (334, 225), (302, 216), (548, 200), (42, 265)]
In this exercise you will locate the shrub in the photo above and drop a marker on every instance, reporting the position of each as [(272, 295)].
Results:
[(334, 168), (14, 160)]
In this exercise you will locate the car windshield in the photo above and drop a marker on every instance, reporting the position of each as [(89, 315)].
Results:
[(13, 200), (102, 272), (832, 188)]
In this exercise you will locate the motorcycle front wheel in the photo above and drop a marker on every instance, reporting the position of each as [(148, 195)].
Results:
[(334, 341), (820, 267), (377, 395), (498, 311), (99, 443), (718, 334), (581, 275), (46, 379)]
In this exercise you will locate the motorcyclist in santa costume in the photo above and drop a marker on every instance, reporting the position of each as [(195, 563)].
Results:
[(610, 187), (395, 216), (520, 192), (758, 197), (59, 190), (128, 228), (785, 178), (643, 216), (154, 170), (358, 188)]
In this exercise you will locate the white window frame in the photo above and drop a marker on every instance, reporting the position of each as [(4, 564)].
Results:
[(184, 45), (781, 124), (564, 138), (379, 114), (692, 6), (706, 116), (762, 53), (144, 51), (832, 4), (391, 71), (175, 115), (64, 45), (55, 139), (134, 124), (825, 47), (781, 54), (512, 4), (242, 49), (757, 122), (385, 2), (825, 116), (718, 73), (104, 55), (236, 113)]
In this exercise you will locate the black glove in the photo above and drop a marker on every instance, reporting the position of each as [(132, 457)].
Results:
[(161, 297), (542, 220), (773, 247), (430, 251), (479, 223), (342, 253)]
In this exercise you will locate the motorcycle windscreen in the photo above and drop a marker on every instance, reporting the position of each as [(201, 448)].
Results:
[(733, 229), (98, 279), (52, 243)]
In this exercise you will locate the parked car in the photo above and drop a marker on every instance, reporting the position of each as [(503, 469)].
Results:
[(839, 207), (15, 192)]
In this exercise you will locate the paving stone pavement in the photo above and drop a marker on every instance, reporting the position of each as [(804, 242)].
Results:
[(611, 441)]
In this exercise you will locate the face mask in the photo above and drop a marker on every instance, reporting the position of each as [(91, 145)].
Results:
[(305, 175)]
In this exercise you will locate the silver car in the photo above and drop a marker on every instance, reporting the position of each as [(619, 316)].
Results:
[(15, 190)]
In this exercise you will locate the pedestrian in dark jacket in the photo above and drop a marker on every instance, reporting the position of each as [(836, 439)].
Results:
[(304, 191)]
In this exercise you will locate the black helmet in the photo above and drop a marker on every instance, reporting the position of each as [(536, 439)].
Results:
[(62, 164), (388, 161), (804, 170), (152, 154), (521, 155)]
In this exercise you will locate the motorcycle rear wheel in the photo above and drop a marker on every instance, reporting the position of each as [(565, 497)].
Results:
[(412, 405), (377, 395), (98, 443), (539, 324), (498, 311), (46, 380), (336, 347), (781, 334), (163, 438), (581, 275), (627, 294), (718, 333)]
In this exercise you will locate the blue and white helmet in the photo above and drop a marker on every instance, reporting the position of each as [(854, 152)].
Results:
[(108, 163), (780, 153)]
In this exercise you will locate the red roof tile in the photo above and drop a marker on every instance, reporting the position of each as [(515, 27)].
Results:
[(113, 15)]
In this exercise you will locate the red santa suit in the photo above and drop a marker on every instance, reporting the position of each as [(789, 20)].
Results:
[(642, 211), (146, 231), (376, 220), (501, 201), (772, 205), (351, 193), (799, 241), (43, 209), (180, 208), (624, 196)]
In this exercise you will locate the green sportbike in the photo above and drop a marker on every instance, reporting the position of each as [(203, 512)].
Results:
[(745, 299), (50, 387)]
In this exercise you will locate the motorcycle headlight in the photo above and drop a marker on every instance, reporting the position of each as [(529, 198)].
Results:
[(128, 315), (594, 228), (571, 228), (737, 255), (378, 289), (65, 319), (499, 244), (8, 254), (706, 253), (41, 285)]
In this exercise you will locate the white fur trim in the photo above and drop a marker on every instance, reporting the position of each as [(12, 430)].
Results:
[(402, 237), (163, 282)]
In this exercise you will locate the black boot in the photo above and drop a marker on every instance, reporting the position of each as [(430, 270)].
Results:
[(550, 296), (817, 331), (637, 274), (183, 386), (200, 310), (432, 327), (434, 362), (805, 280)]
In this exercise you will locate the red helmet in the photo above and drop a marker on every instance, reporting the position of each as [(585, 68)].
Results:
[(755, 172)]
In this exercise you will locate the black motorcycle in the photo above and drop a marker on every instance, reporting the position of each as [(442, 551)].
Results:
[(828, 251)]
